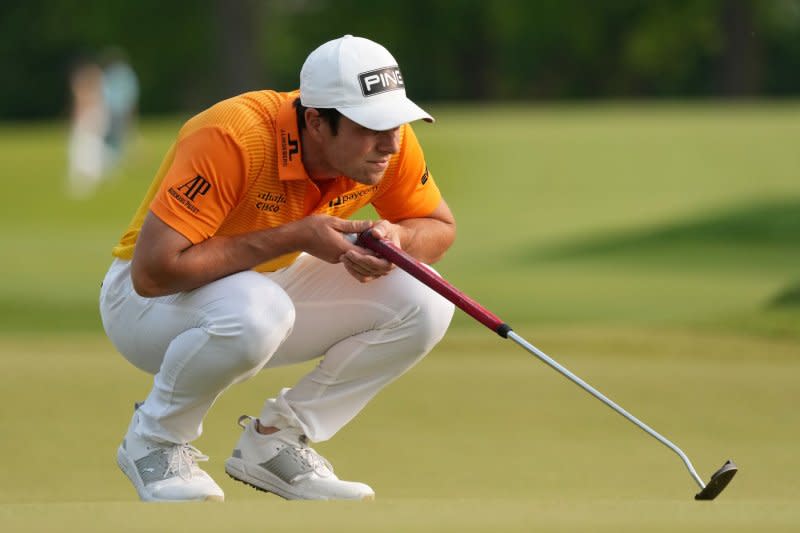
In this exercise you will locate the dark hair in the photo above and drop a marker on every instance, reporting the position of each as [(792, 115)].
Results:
[(330, 114)]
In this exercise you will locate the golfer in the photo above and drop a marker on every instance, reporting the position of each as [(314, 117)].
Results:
[(237, 260)]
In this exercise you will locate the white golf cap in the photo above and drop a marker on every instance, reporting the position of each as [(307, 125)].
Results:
[(361, 80)]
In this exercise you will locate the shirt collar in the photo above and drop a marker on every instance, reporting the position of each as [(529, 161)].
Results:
[(290, 155)]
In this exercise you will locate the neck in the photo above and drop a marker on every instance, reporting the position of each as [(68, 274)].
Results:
[(313, 161)]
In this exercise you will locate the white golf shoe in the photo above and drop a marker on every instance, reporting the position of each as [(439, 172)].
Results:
[(165, 472), (284, 464)]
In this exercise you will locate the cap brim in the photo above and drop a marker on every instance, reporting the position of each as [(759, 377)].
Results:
[(386, 115)]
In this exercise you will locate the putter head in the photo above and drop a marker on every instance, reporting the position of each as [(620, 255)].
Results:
[(719, 480)]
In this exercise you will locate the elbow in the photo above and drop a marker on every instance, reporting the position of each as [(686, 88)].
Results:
[(146, 285), (451, 237), (446, 240)]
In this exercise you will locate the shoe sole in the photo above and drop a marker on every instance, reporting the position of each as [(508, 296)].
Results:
[(128, 468), (264, 481)]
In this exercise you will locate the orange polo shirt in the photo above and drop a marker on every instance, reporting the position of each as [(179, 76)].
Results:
[(237, 167)]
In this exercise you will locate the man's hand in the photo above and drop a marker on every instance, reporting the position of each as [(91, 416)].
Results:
[(322, 236), (365, 265), (425, 238)]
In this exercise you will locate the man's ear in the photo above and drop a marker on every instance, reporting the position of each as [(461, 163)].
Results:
[(314, 122)]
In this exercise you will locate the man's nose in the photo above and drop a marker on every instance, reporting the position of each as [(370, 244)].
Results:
[(389, 141)]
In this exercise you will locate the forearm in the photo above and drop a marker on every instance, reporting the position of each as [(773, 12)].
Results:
[(427, 239), (199, 264), (166, 262)]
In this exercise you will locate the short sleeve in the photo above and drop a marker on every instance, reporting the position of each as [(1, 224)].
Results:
[(410, 191), (205, 181)]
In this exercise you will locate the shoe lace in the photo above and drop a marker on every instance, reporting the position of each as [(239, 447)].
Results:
[(182, 460), (311, 456), (314, 460)]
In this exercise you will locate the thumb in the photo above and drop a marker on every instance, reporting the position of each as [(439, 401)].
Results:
[(354, 226)]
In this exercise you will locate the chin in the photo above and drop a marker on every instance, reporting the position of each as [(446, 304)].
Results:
[(369, 178)]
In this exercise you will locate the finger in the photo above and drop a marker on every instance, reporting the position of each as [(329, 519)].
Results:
[(372, 273), (355, 266), (380, 230), (353, 226), (356, 274), (385, 230), (368, 262)]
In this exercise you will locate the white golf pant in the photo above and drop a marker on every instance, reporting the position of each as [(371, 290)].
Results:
[(200, 342)]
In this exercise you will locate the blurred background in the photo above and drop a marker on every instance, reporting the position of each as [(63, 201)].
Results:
[(626, 179), (188, 54), (678, 114)]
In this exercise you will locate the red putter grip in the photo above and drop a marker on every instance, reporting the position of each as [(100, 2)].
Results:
[(423, 273)]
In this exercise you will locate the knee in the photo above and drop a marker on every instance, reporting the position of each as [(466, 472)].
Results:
[(435, 316), (427, 314), (264, 327), (255, 322)]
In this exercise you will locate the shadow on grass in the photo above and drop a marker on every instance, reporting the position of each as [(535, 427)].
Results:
[(764, 239), (789, 298), (775, 225)]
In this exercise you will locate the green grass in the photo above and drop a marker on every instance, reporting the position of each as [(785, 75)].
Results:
[(651, 249), (480, 436)]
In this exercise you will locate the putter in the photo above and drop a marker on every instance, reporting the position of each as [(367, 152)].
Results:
[(386, 249)]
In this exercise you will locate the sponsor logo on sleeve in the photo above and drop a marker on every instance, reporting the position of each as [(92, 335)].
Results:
[(187, 193), (424, 178), (381, 80)]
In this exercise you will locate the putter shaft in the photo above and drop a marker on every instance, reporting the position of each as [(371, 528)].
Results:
[(719, 480), (600, 396)]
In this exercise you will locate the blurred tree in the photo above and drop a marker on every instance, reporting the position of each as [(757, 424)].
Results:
[(190, 53), (778, 24), (168, 44), (740, 62), (239, 23), (670, 49)]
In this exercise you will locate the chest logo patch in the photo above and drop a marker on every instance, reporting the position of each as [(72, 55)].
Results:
[(269, 201)]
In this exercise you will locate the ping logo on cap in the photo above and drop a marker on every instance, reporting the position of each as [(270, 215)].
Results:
[(381, 80)]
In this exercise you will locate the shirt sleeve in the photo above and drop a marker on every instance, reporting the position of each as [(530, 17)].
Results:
[(205, 181), (410, 191)]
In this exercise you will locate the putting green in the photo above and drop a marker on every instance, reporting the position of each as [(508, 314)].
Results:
[(480, 436)]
